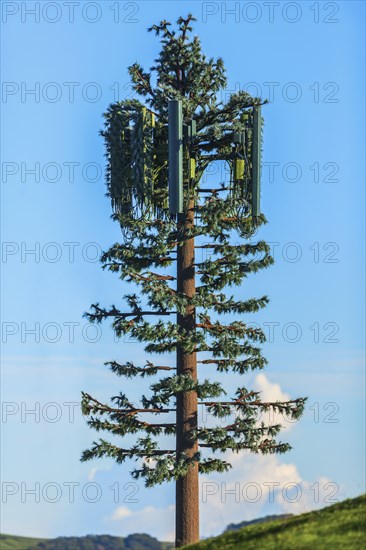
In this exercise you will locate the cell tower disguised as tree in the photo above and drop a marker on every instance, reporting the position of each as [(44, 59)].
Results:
[(157, 152)]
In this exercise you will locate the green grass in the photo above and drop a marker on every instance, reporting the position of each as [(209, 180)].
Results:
[(10, 542), (341, 526)]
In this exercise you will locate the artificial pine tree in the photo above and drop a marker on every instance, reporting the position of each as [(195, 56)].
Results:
[(158, 255)]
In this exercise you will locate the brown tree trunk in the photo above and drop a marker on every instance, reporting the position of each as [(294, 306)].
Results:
[(187, 500)]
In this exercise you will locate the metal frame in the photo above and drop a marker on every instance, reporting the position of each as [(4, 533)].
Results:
[(175, 144)]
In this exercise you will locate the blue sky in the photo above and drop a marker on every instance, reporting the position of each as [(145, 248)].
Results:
[(307, 58)]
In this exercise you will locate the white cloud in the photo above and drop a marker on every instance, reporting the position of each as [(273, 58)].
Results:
[(102, 467), (157, 522), (257, 486), (92, 473), (121, 512), (270, 391), (249, 490)]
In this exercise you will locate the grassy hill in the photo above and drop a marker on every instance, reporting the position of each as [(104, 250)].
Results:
[(266, 519), (90, 542), (341, 526), (10, 542)]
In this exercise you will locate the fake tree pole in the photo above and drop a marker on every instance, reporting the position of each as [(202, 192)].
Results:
[(157, 152), (187, 489)]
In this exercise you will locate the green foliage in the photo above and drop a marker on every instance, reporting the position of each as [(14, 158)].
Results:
[(138, 185), (341, 526)]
